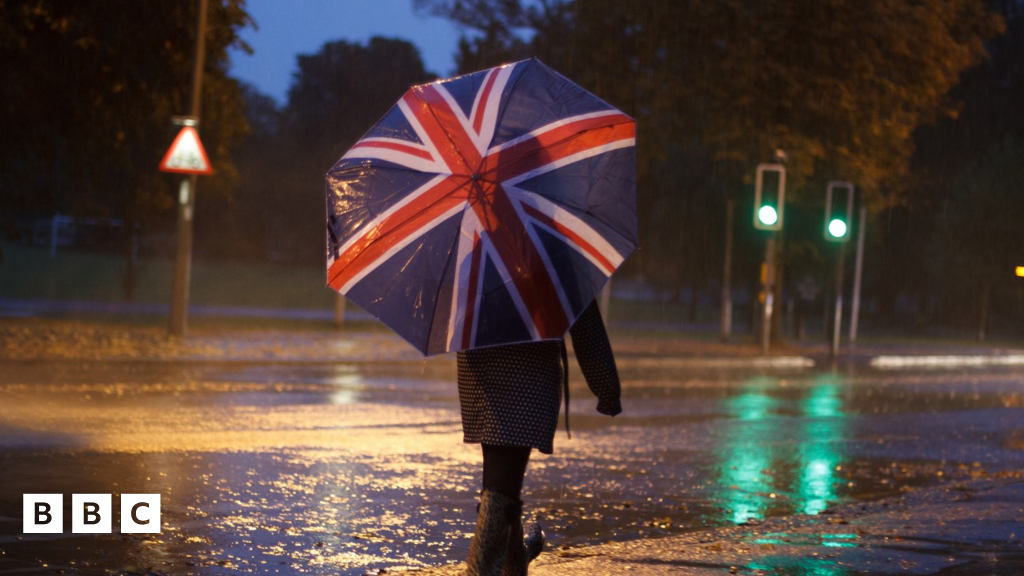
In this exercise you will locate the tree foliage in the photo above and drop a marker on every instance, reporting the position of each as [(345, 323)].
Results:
[(342, 89), (986, 206), (930, 247), (980, 240), (337, 95), (839, 84), (716, 87), (88, 92)]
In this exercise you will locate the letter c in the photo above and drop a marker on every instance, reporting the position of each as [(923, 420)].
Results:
[(135, 517)]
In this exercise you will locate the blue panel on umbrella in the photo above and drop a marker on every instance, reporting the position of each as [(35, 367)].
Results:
[(393, 125), (356, 198), (502, 324), (598, 189), (443, 309), (539, 96), (578, 276), (402, 291), (464, 89)]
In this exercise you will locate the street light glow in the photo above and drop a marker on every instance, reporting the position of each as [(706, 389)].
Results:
[(837, 228), (1019, 270), (768, 215)]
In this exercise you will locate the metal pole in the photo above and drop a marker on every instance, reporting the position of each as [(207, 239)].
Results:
[(858, 270), (769, 295), (197, 70), (730, 212), (606, 300), (183, 258), (339, 310), (186, 204), (837, 320)]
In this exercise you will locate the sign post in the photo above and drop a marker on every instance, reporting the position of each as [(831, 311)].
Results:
[(186, 156)]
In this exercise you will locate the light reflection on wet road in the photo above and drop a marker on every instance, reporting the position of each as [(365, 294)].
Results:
[(330, 469)]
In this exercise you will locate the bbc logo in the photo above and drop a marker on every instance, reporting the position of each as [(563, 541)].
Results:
[(90, 513)]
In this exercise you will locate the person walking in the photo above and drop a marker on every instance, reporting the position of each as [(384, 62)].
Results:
[(468, 218), (509, 397)]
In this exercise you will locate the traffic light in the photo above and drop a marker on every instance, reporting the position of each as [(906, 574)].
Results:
[(838, 211), (770, 196)]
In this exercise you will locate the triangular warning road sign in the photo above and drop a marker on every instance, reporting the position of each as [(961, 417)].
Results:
[(186, 155)]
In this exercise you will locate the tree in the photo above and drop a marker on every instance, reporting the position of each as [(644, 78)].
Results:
[(981, 237), (915, 234), (342, 89), (89, 91), (337, 95), (238, 231), (716, 87), (841, 83)]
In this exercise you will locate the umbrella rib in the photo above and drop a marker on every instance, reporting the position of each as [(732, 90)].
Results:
[(452, 256), (448, 137), (396, 228)]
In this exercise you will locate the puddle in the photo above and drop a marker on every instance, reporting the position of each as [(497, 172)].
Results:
[(330, 469)]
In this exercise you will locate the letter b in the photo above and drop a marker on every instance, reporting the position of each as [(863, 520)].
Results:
[(42, 513), (90, 513)]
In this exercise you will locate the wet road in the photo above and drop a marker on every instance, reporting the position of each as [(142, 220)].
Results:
[(325, 468)]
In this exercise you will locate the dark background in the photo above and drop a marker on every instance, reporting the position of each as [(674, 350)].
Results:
[(915, 102)]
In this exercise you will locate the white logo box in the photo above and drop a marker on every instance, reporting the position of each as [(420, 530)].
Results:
[(90, 513)]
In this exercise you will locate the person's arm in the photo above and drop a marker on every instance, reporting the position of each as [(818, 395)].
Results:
[(594, 354)]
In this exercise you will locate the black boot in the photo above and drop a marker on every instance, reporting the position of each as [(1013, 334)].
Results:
[(519, 554), (488, 550), (534, 541)]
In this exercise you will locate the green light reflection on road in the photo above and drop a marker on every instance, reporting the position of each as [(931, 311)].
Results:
[(745, 456), (804, 567), (823, 428), (754, 469)]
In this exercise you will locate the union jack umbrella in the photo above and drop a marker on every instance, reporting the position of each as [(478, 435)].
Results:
[(485, 209)]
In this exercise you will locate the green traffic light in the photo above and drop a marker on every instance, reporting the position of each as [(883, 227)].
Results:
[(837, 228), (767, 215)]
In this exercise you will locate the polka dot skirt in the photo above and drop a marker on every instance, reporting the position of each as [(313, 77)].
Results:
[(510, 395)]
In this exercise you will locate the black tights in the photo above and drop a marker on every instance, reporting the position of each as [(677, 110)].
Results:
[(505, 468)]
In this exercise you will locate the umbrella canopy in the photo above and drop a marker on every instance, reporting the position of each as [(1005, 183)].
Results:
[(485, 209)]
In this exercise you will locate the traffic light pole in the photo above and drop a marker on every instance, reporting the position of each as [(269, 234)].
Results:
[(730, 212), (837, 319), (769, 295), (858, 273), (187, 198), (768, 216)]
